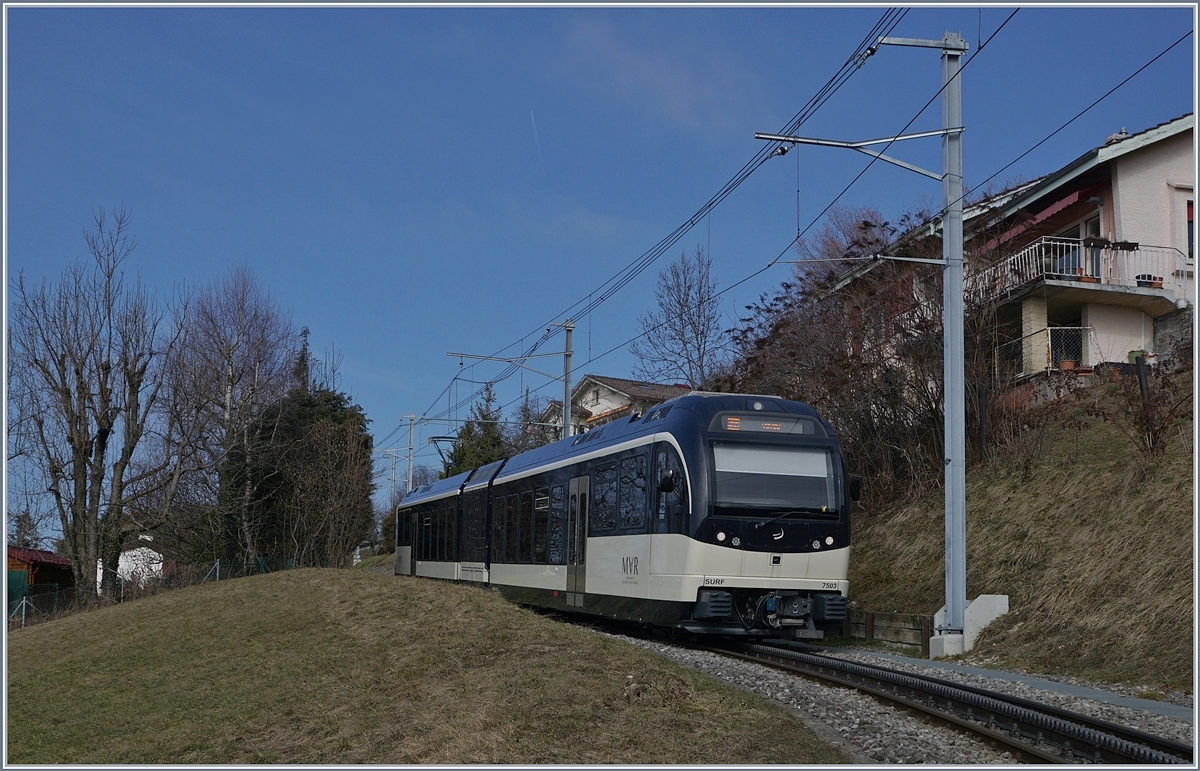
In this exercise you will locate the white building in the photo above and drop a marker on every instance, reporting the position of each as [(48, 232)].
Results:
[(1092, 263), (136, 566)]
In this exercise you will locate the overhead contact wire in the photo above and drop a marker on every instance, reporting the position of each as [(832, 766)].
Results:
[(890, 19)]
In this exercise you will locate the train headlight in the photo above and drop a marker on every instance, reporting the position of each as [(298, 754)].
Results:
[(721, 537), (816, 545), (829, 540)]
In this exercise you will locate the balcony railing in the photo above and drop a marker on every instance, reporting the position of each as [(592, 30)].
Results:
[(1093, 261), (1052, 348)]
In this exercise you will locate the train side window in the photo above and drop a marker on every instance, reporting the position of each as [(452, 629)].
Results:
[(510, 531), (440, 533), (604, 498), (571, 542), (671, 508), (583, 516), (499, 509), (558, 526), (439, 551), (435, 519), (541, 523), (634, 472), (451, 532), (526, 535), (434, 523), (430, 533)]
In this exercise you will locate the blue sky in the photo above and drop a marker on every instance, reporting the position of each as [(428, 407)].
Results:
[(412, 181)]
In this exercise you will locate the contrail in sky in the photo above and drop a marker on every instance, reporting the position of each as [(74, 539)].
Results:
[(537, 143)]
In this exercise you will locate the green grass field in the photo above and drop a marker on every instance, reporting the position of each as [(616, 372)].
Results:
[(350, 666)]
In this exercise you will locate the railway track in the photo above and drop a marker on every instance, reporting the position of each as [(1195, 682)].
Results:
[(1033, 732)]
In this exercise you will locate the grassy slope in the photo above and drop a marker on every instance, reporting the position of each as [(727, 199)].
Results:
[(321, 666), (1094, 547)]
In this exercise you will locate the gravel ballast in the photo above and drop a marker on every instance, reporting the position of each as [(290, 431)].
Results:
[(873, 732)]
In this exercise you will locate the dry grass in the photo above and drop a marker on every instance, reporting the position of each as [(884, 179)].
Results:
[(325, 666), (1094, 546)]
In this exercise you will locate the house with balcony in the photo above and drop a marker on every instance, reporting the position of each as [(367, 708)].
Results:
[(1091, 264), (1095, 262)]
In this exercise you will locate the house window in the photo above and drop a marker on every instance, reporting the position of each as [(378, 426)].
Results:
[(1191, 228), (1080, 260)]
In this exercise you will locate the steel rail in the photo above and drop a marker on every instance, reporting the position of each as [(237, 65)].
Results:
[(1023, 724), (997, 739), (1137, 736)]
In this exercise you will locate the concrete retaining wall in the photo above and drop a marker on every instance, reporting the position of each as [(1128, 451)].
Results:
[(1173, 337)]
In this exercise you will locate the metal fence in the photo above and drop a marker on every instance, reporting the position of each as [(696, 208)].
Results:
[(226, 569), (41, 602), (51, 603), (1052, 348)]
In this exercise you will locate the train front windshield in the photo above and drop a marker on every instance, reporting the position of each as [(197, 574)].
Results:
[(757, 480)]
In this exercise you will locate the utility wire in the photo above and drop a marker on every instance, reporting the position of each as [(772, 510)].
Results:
[(913, 120), (780, 256), (887, 22), (1081, 113)]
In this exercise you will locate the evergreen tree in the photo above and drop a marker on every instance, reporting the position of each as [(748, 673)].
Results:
[(480, 441), (307, 461)]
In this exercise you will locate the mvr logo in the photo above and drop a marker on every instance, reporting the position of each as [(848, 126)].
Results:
[(629, 566)]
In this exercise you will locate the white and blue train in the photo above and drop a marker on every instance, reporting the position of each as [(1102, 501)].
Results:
[(712, 513)]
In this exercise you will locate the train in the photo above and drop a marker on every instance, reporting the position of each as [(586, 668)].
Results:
[(709, 514)]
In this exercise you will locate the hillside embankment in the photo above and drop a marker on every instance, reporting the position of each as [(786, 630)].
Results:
[(354, 666), (1092, 539)]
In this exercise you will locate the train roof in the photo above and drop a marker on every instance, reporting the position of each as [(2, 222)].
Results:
[(437, 489), (663, 417)]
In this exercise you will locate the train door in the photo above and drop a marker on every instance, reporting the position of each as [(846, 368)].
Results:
[(404, 557), (577, 516)]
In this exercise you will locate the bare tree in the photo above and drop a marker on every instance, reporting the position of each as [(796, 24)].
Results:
[(333, 495), (525, 431), (237, 361), (682, 340), (87, 356), (866, 353)]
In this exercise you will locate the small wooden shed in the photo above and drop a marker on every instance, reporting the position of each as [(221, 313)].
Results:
[(38, 568)]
